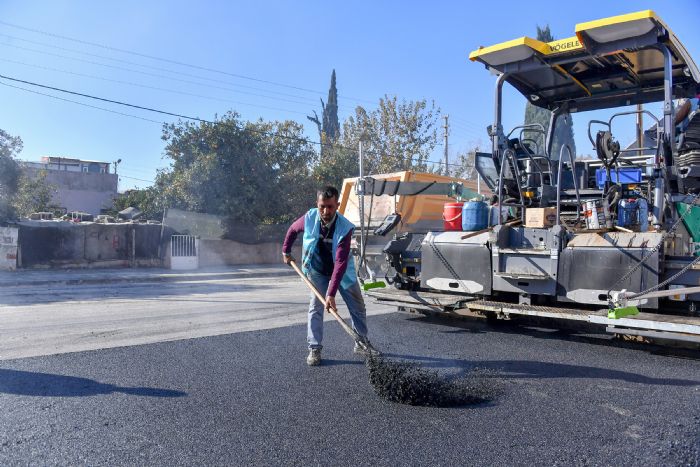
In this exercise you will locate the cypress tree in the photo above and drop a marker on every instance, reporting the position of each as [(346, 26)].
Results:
[(328, 125), (331, 127)]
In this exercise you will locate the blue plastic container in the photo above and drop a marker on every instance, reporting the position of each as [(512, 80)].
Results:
[(475, 216), (626, 176), (627, 213)]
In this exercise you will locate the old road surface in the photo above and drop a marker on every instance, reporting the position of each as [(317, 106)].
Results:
[(211, 370)]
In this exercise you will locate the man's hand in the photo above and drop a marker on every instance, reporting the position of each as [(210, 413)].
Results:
[(330, 303), (287, 258)]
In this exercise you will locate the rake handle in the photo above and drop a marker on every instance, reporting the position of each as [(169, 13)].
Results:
[(322, 299)]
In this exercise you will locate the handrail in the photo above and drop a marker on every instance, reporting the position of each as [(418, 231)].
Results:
[(530, 127), (573, 176), (500, 188), (614, 116), (632, 112), (591, 122), (516, 175)]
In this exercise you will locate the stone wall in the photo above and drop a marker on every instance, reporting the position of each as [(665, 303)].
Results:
[(65, 244), (229, 252)]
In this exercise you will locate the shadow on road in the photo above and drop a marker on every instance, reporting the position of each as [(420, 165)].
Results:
[(27, 383), (527, 369), (549, 329), (332, 362)]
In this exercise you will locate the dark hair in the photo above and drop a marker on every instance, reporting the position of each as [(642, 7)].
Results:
[(328, 192)]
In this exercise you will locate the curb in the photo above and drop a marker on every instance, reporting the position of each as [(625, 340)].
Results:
[(153, 278)]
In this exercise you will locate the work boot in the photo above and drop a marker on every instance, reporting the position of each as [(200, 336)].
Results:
[(367, 351), (314, 357)]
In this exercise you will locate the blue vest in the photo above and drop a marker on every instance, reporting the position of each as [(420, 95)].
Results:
[(312, 234)]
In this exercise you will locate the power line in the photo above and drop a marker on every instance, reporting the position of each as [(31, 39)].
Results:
[(115, 67), (128, 62), (145, 86), (159, 76), (165, 60), (172, 114), (303, 140), (167, 70), (134, 178), (252, 130), (470, 123), (82, 103)]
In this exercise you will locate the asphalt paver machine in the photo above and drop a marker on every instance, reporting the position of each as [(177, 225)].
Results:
[(616, 239)]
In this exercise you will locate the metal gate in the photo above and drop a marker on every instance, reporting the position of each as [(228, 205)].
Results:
[(184, 252)]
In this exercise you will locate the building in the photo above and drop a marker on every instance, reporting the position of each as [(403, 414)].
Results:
[(81, 185), (69, 164)]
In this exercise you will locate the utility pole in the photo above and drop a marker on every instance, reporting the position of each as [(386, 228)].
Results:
[(640, 129), (360, 190), (116, 163), (447, 132)]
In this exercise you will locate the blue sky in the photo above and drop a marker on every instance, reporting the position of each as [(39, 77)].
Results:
[(412, 49)]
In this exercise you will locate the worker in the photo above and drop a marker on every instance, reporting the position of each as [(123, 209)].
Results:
[(684, 108), (327, 263)]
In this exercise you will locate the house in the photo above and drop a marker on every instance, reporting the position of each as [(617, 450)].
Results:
[(69, 164), (81, 185)]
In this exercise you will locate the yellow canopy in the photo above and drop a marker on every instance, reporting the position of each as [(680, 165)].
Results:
[(609, 62)]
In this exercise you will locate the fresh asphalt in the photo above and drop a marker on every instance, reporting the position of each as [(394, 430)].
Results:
[(249, 398)]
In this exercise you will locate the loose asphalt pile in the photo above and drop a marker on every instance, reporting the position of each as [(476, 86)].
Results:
[(408, 383)]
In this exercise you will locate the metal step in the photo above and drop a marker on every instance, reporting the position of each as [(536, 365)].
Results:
[(682, 328), (525, 251), (521, 276)]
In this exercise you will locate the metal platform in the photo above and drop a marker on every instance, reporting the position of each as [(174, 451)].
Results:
[(685, 328)]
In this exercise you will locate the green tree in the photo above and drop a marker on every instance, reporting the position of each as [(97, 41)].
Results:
[(465, 165), (34, 194), (148, 200), (396, 135), (10, 147), (564, 128), (339, 162), (250, 173)]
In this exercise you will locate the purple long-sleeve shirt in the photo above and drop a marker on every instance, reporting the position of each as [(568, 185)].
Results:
[(342, 253)]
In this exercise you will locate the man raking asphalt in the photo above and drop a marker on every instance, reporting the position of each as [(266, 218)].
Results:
[(328, 268)]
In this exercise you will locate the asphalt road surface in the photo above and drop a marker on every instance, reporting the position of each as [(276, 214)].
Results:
[(247, 397)]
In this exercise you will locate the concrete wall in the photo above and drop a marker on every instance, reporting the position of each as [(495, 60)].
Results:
[(8, 248), (64, 244), (253, 244), (80, 191), (229, 252), (194, 223)]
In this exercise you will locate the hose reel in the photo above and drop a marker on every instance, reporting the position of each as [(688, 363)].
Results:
[(607, 148)]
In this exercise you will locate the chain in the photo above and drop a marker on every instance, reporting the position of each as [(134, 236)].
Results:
[(667, 281), (654, 250)]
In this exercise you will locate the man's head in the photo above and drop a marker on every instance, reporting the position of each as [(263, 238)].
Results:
[(327, 202)]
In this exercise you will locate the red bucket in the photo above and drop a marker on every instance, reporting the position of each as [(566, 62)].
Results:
[(452, 216)]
